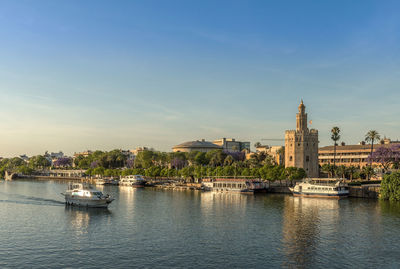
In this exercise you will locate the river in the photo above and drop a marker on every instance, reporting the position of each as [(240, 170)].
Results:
[(155, 228)]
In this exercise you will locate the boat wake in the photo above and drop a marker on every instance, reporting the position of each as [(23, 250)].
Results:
[(24, 199)]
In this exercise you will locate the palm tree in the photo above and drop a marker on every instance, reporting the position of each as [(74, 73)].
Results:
[(368, 171), (372, 135), (335, 136), (351, 170), (257, 145), (342, 171)]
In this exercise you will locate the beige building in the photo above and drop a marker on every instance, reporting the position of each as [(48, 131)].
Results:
[(351, 155), (301, 145), (276, 152), (231, 144), (198, 145)]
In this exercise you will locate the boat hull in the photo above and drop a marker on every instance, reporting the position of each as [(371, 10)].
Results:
[(135, 185), (87, 202), (321, 195)]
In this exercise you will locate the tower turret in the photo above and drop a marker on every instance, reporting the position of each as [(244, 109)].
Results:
[(301, 118)]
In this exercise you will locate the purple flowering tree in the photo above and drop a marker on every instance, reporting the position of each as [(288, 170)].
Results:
[(63, 162), (178, 163), (385, 156), (94, 164), (130, 163)]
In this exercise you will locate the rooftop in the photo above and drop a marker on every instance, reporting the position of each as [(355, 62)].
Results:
[(198, 144)]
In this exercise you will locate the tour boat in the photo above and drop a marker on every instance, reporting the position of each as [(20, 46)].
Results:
[(234, 185), (79, 195), (133, 181), (321, 187)]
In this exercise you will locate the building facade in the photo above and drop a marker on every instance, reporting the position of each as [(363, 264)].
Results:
[(351, 155), (301, 145), (231, 144), (276, 152)]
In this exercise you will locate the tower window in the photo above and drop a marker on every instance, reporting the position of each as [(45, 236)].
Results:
[(291, 158), (298, 144)]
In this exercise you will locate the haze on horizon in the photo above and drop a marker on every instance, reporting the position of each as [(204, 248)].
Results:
[(77, 75)]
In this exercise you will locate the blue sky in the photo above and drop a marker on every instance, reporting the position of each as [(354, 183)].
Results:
[(78, 75)]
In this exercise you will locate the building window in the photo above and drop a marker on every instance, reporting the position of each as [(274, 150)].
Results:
[(307, 158), (291, 158), (298, 144)]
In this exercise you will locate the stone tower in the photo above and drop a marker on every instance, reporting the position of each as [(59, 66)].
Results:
[(301, 145)]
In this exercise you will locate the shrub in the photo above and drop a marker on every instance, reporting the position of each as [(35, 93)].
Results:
[(390, 187)]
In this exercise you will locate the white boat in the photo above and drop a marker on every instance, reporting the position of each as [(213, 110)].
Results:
[(79, 195), (321, 188), (100, 181), (234, 184), (133, 181), (107, 181), (111, 181)]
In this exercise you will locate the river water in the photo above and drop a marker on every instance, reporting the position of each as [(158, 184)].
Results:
[(156, 228)]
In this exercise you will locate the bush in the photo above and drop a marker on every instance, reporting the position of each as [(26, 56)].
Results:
[(390, 187)]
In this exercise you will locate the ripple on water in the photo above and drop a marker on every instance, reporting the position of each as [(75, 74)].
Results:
[(158, 229)]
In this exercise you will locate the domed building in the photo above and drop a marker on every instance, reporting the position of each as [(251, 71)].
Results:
[(198, 145)]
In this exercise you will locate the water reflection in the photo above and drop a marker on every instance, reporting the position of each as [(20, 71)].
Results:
[(302, 222), (80, 218)]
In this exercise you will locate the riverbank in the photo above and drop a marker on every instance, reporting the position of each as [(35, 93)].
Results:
[(369, 191)]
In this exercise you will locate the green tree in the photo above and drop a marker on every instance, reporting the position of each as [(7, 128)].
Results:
[(329, 169), (257, 145), (200, 158), (39, 162), (372, 136), (98, 171), (144, 159), (352, 171), (228, 160), (390, 187), (335, 136), (341, 170), (368, 171)]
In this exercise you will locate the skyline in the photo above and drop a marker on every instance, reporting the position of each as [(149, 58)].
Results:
[(95, 75)]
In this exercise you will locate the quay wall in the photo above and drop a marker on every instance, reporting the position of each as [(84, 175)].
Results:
[(365, 191), (279, 189)]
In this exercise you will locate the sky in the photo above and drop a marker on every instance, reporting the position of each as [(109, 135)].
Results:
[(77, 75)]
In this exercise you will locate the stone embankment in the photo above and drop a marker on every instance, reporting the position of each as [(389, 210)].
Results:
[(365, 191)]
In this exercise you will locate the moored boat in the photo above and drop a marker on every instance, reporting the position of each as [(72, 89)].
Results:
[(79, 195), (133, 181), (106, 181), (321, 188), (234, 185)]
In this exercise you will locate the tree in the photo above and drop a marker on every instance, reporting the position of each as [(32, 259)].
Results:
[(144, 159), (257, 145), (390, 187), (372, 135), (368, 171), (294, 173), (352, 170), (341, 170), (39, 162), (335, 136), (98, 171), (63, 162), (329, 169), (200, 158), (228, 160), (386, 156)]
